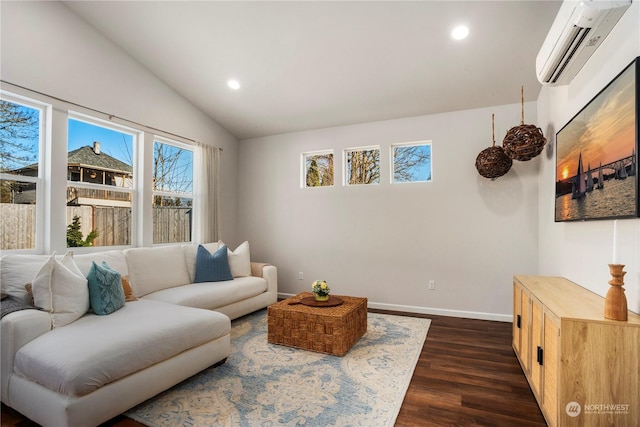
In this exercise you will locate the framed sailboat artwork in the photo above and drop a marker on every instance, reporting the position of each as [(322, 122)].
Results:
[(597, 154)]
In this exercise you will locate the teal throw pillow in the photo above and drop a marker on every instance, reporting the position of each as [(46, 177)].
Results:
[(212, 267), (105, 289)]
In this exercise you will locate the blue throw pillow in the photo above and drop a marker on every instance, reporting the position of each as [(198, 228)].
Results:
[(105, 289), (212, 267)]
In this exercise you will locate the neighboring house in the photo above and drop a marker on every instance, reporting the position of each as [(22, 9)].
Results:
[(89, 164), (86, 164)]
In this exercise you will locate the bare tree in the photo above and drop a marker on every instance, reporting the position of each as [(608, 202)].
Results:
[(173, 172), (326, 173), (313, 174), (363, 166), (407, 160), (18, 135), (319, 170)]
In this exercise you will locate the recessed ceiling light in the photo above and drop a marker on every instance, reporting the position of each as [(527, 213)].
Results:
[(233, 84), (460, 32)]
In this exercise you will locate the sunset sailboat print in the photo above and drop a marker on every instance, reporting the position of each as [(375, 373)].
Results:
[(599, 149)]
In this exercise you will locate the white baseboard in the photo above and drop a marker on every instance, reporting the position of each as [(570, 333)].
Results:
[(435, 311)]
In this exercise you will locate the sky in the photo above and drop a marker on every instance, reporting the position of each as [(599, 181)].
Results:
[(27, 153), (120, 145), (604, 131), (114, 143), (422, 171), (175, 174)]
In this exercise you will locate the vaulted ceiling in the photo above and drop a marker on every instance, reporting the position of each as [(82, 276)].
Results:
[(308, 65)]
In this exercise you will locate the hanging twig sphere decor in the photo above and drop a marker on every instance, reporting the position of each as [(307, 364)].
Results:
[(492, 162), (523, 142)]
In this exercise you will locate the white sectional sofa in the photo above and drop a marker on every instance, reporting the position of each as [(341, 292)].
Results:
[(86, 372)]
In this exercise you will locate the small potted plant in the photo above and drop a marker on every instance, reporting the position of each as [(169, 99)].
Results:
[(321, 290)]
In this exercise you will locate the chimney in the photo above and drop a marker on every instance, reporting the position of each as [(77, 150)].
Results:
[(96, 147)]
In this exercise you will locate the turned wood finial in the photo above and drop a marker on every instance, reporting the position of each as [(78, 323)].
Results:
[(615, 303)]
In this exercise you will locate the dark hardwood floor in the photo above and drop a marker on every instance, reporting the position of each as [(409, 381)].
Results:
[(467, 375)]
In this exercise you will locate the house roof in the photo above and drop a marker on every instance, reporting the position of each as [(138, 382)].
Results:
[(86, 157)]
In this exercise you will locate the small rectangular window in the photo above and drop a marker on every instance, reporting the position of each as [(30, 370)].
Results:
[(318, 169), (99, 184), (21, 140), (172, 192), (411, 162), (362, 166)]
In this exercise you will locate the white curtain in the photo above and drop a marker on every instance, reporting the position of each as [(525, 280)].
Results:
[(207, 194)]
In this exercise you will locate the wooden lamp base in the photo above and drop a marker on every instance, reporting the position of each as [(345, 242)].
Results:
[(615, 303)]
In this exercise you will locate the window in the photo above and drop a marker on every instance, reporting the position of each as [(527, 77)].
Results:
[(172, 192), (362, 166), (318, 169), (411, 162), (21, 142), (99, 183), (119, 176)]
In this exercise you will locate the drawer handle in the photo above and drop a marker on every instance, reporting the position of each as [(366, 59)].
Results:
[(518, 320), (540, 356)]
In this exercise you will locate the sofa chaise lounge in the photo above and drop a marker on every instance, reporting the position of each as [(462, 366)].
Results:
[(98, 366)]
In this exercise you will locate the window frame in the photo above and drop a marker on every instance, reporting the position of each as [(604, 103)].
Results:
[(185, 195), (133, 190), (53, 171), (303, 167), (392, 158), (44, 138)]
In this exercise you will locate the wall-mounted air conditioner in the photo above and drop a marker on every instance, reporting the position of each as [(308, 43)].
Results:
[(576, 33)]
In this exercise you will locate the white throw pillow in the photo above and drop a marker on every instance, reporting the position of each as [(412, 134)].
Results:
[(155, 269), (18, 270), (240, 260), (61, 289), (114, 258)]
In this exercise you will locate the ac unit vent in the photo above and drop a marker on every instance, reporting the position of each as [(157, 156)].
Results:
[(577, 31)]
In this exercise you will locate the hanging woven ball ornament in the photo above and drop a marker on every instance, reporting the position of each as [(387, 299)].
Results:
[(492, 162), (523, 142)]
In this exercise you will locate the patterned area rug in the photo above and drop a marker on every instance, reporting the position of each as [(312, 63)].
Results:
[(264, 384)]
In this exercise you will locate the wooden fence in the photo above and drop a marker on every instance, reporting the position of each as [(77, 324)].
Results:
[(112, 223), (171, 224), (17, 226)]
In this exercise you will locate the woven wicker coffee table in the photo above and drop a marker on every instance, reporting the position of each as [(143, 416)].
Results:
[(332, 330)]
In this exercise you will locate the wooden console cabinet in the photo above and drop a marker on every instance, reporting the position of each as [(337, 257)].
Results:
[(583, 369)]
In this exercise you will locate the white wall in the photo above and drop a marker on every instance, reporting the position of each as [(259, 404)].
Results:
[(47, 48), (581, 251), (384, 242)]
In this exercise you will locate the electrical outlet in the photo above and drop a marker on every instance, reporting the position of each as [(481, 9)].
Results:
[(432, 285), (300, 275)]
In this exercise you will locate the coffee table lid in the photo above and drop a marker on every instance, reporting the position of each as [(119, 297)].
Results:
[(311, 302)]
